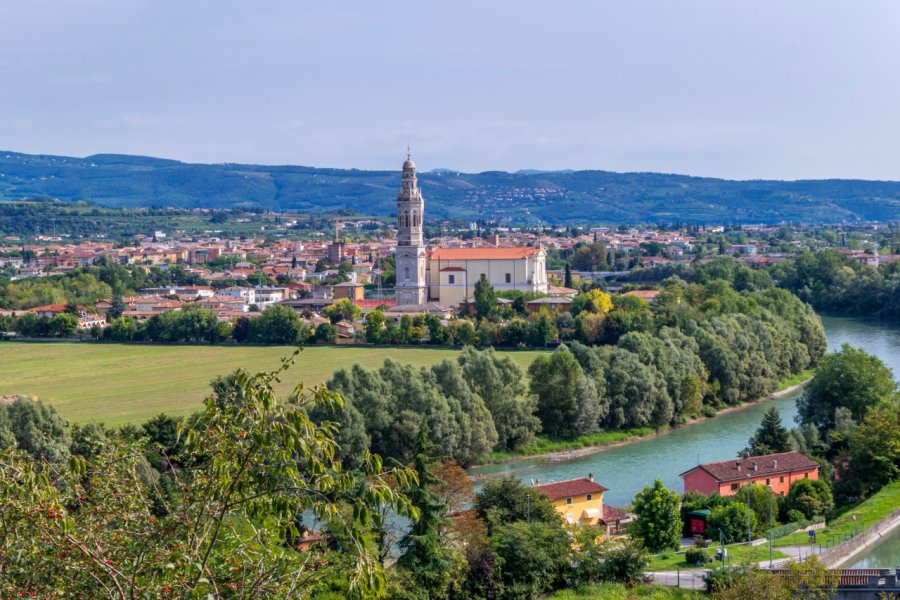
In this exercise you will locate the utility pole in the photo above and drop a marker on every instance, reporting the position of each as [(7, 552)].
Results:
[(772, 497), (748, 513)]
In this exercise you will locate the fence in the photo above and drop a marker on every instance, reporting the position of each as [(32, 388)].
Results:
[(845, 548), (690, 579)]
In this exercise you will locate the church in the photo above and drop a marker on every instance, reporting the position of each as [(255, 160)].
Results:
[(447, 276)]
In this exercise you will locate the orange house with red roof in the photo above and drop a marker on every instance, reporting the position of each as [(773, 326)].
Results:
[(726, 477)]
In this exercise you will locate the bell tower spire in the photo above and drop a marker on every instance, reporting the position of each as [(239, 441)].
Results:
[(410, 254)]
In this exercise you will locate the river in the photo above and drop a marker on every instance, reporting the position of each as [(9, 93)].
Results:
[(625, 470)]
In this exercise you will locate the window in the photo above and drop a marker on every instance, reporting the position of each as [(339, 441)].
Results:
[(508, 278), (406, 273), (768, 481), (781, 479), (735, 486), (451, 279), (569, 500), (806, 476), (590, 497)]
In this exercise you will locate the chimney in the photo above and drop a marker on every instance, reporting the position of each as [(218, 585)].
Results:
[(753, 466), (591, 477), (775, 463), (737, 465), (537, 482)]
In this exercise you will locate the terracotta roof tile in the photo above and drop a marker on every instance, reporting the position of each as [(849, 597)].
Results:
[(570, 487), (484, 253), (740, 468)]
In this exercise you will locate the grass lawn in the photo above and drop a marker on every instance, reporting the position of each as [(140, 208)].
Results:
[(738, 555), (854, 518), (129, 383), (617, 591)]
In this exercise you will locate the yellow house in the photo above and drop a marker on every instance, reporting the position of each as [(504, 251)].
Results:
[(580, 501)]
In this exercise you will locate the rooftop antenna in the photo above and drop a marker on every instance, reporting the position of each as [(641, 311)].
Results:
[(407, 151)]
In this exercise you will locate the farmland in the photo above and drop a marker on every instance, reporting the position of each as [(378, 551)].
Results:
[(119, 384)]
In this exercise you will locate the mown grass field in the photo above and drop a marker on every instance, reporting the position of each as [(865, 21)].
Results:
[(125, 383), (617, 591)]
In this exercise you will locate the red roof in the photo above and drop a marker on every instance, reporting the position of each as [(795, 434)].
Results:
[(48, 308), (484, 253), (612, 514), (755, 466), (375, 303), (570, 487)]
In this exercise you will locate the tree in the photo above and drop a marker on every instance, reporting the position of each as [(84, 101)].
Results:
[(241, 329), (485, 298), (117, 307), (812, 497), (500, 383), (658, 522), (873, 458), (731, 522), (342, 310), (88, 529), (424, 553), (534, 557), (771, 437), (850, 378), (568, 403), (63, 325), (375, 322), (278, 324), (567, 281), (38, 430), (508, 500), (123, 329), (326, 332)]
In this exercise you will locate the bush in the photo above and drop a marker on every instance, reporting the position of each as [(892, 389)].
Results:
[(696, 556), (708, 411)]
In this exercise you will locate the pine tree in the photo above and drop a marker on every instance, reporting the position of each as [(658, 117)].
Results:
[(771, 437), (116, 307), (424, 553)]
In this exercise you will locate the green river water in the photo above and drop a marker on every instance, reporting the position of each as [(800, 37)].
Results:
[(625, 470)]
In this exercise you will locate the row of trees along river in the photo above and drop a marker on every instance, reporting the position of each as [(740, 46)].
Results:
[(625, 470)]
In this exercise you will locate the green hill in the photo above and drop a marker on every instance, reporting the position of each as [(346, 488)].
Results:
[(522, 197)]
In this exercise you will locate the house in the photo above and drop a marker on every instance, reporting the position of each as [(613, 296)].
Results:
[(580, 500), (552, 303), (726, 477), (354, 291), (648, 295)]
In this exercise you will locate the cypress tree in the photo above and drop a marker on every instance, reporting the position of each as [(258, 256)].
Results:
[(424, 553), (568, 280)]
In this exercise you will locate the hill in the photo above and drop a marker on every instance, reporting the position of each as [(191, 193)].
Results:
[(527, 196)]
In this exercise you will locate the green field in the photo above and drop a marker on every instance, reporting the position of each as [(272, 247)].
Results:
[(121, 383)]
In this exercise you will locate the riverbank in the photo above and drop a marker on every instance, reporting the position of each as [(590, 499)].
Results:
[(555, 450)]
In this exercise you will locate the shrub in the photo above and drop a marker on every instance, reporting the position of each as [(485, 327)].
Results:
[(696, 556)]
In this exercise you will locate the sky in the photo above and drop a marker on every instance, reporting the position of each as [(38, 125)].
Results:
[(756, 89)]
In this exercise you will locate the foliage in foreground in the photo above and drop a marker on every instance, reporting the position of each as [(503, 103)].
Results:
[(252, 472)]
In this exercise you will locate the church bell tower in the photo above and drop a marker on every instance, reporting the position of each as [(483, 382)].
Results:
[(410, 255)]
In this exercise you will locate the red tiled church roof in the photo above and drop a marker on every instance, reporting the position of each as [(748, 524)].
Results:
[(755, 466), (484, 253), (570, 487)]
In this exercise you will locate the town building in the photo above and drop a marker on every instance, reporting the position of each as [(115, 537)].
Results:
[(580, 501), (726, 477), (447, 276)]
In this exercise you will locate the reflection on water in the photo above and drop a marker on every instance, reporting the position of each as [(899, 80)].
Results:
[(627, 469)]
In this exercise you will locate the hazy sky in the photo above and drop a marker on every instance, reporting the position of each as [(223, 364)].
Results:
[(756, 89)]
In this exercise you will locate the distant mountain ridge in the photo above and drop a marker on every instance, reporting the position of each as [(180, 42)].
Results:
[(527, 196)]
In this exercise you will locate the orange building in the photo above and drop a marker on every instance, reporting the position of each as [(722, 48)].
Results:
[(726, 477)]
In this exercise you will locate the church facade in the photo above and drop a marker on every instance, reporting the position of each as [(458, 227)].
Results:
[(447, 276)]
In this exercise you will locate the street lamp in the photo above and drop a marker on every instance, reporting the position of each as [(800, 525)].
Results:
[(771, 498), (748, 510)]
